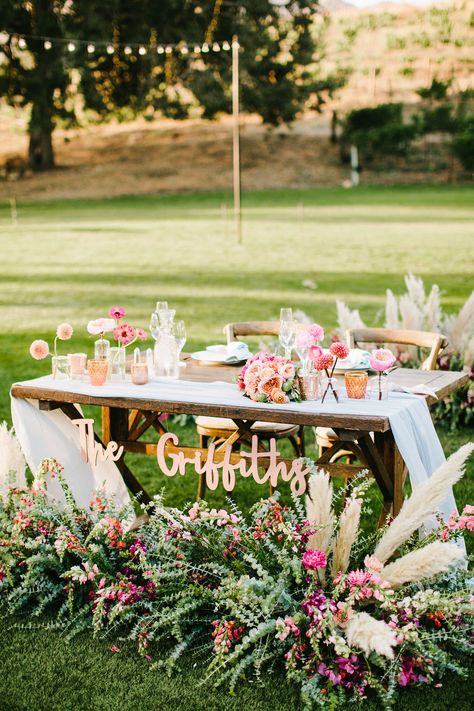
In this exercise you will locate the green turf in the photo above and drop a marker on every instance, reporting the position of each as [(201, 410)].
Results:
[(71, 260)]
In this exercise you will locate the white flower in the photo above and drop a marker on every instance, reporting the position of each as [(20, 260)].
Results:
[(100, 325)]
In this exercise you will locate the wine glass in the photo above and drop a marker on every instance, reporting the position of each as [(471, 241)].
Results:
[(179, 332), (161, 306), (287, 336)]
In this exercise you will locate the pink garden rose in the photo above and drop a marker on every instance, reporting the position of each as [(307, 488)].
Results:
[(100, 325), (39, 350), (278, 396), (382, 359), (266, 385), (286, 370), (64, 331)]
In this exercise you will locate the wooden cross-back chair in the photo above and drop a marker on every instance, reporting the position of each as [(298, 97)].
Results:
[(434, 342), (217, 429)]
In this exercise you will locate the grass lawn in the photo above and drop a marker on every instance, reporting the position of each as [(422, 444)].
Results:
[(72, 260)]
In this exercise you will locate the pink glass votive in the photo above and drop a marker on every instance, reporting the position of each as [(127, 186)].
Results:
[(139, 372), (77, 363), (98, 371), (310, 386), (356, 384)]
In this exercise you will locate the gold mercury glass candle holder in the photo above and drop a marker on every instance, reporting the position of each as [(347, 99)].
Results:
[(356, 384), (310, 386), (98, 370), (139, 372)]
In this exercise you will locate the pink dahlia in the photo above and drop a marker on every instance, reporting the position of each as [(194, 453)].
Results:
[(39, 349), (317, 332), (339, 350), (64, 331), (124, 334), (382, 359), (117, 312), (324, 361), (314, 559)]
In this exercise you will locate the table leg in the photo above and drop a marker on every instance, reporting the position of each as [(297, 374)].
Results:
[(395, 466), (115, 428)]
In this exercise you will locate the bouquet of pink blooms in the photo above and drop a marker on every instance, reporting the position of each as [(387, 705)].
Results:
[(269, 378)]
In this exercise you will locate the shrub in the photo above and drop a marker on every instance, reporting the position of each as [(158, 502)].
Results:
[(379, 130), (463, 144)]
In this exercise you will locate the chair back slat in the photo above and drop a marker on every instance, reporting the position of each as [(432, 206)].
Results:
[(403, 337), (232, 331)]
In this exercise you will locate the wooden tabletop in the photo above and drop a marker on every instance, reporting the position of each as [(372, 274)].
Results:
[(441, 382)]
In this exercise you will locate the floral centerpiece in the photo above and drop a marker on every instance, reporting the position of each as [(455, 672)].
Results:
[(39, 349), (327, 362), (269, 378), (307, 345), (381, 360)]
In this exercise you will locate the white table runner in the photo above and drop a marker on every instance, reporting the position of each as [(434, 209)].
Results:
[(409, 417)]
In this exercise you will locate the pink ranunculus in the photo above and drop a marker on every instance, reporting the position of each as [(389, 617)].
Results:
[(278, 396), (315, 351), (324, 361), (117, 312), (314, 559), (286, 370), (317, 332), (381, 359), (100, 325), (142, 335), (124, 334), (39, 349), (64, 331), (339, 350), (266, 386)]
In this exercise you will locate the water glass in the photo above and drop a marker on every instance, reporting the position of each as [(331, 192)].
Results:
[(77, 363), (179, 332), (61, 370), (98, 371), (117, 358)]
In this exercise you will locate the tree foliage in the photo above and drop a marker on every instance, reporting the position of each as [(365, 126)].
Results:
[(278, 57)]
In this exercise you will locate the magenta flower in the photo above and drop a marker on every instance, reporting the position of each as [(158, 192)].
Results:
[(124, 334), (39, 349), (117, 312), (314, 559)]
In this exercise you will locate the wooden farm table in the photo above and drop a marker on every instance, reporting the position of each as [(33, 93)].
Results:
[(126, 419)]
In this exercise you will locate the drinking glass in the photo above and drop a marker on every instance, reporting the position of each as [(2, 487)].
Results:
[(287, 336), (179, 332), (356, 384), (161, 306)]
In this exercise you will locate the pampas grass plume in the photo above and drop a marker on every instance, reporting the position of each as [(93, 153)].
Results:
[(365, 632), (12, 461), (348, 529), (423, 502), (319, 510), (433, 559)]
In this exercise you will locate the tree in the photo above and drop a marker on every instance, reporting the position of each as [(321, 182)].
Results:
[(116, 64)]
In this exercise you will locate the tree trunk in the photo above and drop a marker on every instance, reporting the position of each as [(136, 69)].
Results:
[(40, 151)]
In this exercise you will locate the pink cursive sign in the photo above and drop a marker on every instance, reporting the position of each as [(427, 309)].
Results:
[(92, 451)]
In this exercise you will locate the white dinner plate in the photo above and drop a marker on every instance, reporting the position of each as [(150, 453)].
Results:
[(216, 358)]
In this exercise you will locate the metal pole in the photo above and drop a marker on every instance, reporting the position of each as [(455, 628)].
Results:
[(236, 137)]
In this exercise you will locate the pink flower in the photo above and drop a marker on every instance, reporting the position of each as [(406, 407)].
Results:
[(286, 370), (278, 396), (117, 312), (313, 559), (100, 325), (372, 564), (324, 361), (315, 352), (268, 384), (141, 334), (114, 648), (317, 332), (339, 350), (64, 331), (382, 359), (304, 339), (124, 334), (39, 350)]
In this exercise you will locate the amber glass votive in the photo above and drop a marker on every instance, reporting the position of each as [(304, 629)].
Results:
[(139, 372), (98, 370), (310, 386), (356, 384)]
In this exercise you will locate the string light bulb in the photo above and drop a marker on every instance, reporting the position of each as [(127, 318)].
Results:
[(197, 49), (168, 49), (90, 48), (205, 47), (142, 50), (225, 46), (22, 43), (71, 46), (47, 44), (110, 49), (184, 50), (216, 47), (160, 49), (127, 50)]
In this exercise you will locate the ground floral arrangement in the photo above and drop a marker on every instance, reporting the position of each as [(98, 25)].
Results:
[(345, 614)]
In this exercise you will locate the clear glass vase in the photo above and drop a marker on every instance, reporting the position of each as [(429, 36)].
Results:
[(117, 361), (101, 349), (61, 368)]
